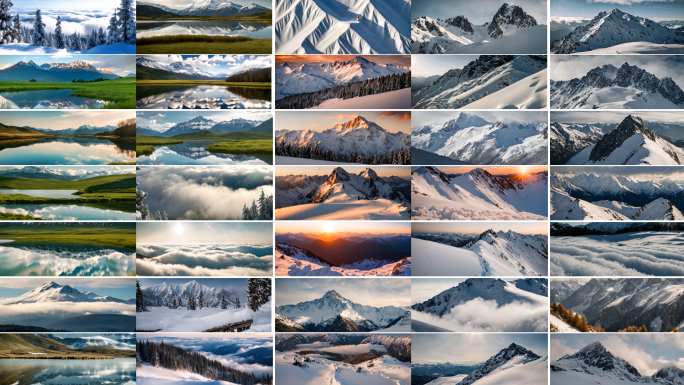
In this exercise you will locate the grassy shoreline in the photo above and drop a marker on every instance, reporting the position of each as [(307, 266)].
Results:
[(205, 82), (122, 235), (121, 92)]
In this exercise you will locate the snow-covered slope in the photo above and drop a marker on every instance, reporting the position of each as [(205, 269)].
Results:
[(630, 143), (512, 365), (527, 94), (94, 340), (164, 292), (334, 313), (358, 135), (569, 139), (614, 27), (626, 87), (53, 292), (342, 27), (177, 67), (471, 139), (219, 8), (292, 80), (484, 76), (458, 36), (478, 194)]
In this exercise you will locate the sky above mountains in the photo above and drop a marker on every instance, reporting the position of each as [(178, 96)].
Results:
[(121, 65), (477, 12), (654, 10), (164, 120), (376, 292), (470, 348), (391, 121), (60, 120)]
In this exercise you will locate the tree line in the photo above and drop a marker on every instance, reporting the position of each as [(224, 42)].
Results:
[(366, 87), (574, 231), (172, 357), (574, 319), (252, 75), (121, 29), (317, 153), (260, 210)]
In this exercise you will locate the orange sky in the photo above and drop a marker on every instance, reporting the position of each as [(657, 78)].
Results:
[(316, 227), (398, 60), (495, 170)]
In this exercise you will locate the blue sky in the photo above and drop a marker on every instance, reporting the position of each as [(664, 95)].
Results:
[(162, 121), (470, 348), (60, 120), (423, 289), (365, 291), (181, 4), (64, 4), (646, 352), (217, 64), (122, 288), (391, 121), (204, 232), (121, 65), (477, 12), (654, 10), (429, 65), (589, 117)]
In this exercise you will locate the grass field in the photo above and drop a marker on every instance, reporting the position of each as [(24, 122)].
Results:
[(264, 17), (144, 145), (143, 150), (116, 234), (259, 146), (27, 345), (263, 85), (18, 217), (45, 184), (203, 44), (119, 91)]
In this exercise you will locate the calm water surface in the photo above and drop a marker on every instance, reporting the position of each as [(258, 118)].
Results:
[(193, 152), (73, 212), (202, 97), (47, 99), (67, 150), (118, 371)]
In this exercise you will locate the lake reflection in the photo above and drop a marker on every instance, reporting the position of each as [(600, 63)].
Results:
[(202, 97), (65, 150), (118, 371), (193, 152), (73, 212), (64, 194), (47, 99), (149, 28)]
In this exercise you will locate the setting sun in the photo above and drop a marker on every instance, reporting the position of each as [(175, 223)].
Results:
[(328, 228), (523, 170), (179, 229)]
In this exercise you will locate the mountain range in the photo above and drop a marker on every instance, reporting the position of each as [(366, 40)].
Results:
[(588, 195), (397, 345), (624, 87), (487, 75), (53, 292), (345, 27), (478, 194), (201, 124), (334, 313), (457, 35), (470, 139), (297, 79), (596, 364), (615, 28), (24, 71), (615, 304), (358, 136), (212, 8), (147, 68), (85, 129), (164, 292)]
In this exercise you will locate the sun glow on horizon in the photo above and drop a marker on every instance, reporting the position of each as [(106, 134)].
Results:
[(328, 228), (179, 229)]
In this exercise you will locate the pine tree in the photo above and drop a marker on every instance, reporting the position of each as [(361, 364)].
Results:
[(224, 305), (18, 30), (258, 292), (158, 216), (237, 303), (75, 42), (60, 41), (101, 37), (7, 32), (126, 22), (191, 302), (174, 304), (39, 37), (92, 40), (139, 298), (112, 32), (262, 206), (675, 330), (201, 299), (165, 217), (254, 212)]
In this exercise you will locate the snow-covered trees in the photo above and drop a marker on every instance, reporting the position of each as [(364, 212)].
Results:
[(101, 37), (39, 37), (92, 40), (316, 153), (258, 292), (200, 300), (139, 298), (7, 32), (60, 40), (126, 22), (260, 210), (224, 305), (142, 211), (237, 303), (112, 31), (191, 303), (18, 31), (75, 42)]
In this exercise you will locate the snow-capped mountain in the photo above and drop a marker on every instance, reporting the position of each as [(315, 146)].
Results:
[(488, 289), (53, 72), (486, 75), (453, 35), (473, 140), (477, 194), (342, 27), (614, 27), (196, 124), (53, 292), (332, 313), (342, 186), (569, 139), (164, 291), (292, 80), (201, 123), (562, 289), (615, 304), (160, 6), (511, 253), (595, 360), (234, 125), (585, 195), (41, 172), (514, 358), (600, 88), (177, 67), (220, 8), (94, 340), (85, 129), (143, 130), (630, 143), (358, 135)]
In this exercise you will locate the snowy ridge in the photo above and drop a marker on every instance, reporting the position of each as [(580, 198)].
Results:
[(292, 80), (177, 67), (342, 27), (164, 291), (450, 36), (477, 194), (469, 138), (218, 8), (512, 355), (332, 307), (358, 135), (569, 139), (630, 143), (626, 87), (484, 76), (614, 27), (53, 292)]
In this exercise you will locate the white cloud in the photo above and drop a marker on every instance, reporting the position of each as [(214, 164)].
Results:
[(558, 349)]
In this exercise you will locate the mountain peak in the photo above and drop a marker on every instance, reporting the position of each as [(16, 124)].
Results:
[(49, 286), (629, 126), (332, 294), (369, 173)]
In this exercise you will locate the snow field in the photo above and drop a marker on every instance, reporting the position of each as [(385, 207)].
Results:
[(25, 48), (183, 320), (436, 259), (528, 93), (515, 372), (149, 375), (398, 99), (638, 47), (302, 266), (631, 254), (561, 324), (448, 380)]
